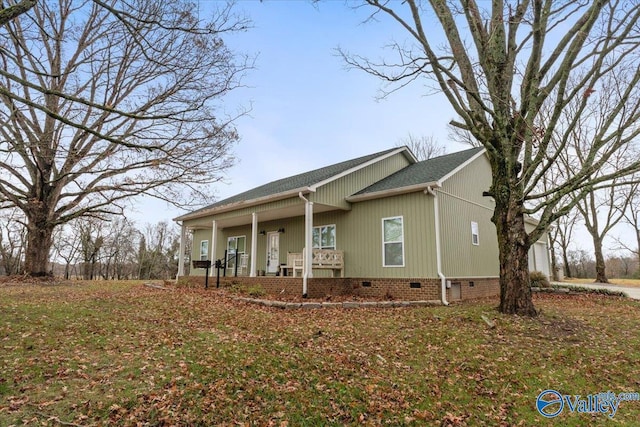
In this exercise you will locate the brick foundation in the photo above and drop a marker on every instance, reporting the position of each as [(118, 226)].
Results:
[(417, 289)]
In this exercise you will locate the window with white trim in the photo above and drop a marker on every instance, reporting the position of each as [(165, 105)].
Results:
[(393, 242), (324, 237), (204, 250), (475, 236), (236, 246)]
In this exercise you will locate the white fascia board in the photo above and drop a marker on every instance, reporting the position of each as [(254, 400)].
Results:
[(412, 159), (462, 166), (245, 204), (531, 220), (392, 192)]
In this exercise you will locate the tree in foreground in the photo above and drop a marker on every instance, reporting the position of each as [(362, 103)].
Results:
[(101, 101), (509, 69)]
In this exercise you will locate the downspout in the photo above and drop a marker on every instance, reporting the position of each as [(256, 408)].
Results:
[(306, 256), (443, 279)]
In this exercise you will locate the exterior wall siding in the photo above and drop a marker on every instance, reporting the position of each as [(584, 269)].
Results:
[(359, 230), (461, 202), (363, 237), (358, 234), (539, 256), (334, 193), (290, 241)]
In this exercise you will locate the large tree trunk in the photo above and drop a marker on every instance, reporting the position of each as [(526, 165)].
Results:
[(601, 276), (567, 267), (554, 264), (513, 245), (39, 242), (638, 249)]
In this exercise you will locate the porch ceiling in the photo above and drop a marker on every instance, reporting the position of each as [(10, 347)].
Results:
[(263, 216)]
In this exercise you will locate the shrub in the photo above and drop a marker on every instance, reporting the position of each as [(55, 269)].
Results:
[(256, 291), (539, 280)]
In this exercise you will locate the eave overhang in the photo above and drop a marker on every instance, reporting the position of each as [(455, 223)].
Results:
[(244, 204), (392, 192)]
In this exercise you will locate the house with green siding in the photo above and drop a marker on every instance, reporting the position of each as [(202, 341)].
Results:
[(383, 225)]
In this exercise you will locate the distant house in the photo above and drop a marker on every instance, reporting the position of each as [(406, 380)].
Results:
[(383, 225)]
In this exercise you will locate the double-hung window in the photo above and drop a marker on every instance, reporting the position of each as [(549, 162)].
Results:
[(204, 250), (324, 237), (393, 242), (236, 246)]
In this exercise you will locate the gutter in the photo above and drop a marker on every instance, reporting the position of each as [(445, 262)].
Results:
[(443, 279)]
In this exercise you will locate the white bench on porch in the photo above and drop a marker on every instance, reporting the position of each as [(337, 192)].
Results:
[(326, 259)]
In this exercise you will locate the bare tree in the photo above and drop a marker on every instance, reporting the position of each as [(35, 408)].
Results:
[(424, 147), (119, 249), (562, 234), (92, 237), (601, 211), (67, 244), (632, 219), (158, 252), (622, 265), (500, 65), (582, 263), (101, 101), (12, 242)]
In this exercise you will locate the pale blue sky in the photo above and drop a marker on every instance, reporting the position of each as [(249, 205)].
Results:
[(307, 109)]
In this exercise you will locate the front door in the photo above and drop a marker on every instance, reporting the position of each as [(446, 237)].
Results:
[(273, 252)]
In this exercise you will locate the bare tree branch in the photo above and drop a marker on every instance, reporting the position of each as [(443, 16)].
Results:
[(520, 75), (101, 101)]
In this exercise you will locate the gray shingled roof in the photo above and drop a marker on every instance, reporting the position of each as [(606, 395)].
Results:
[(422, 172), (294, 182)]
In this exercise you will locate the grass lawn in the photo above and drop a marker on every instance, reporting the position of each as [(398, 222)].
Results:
[(126, 354)]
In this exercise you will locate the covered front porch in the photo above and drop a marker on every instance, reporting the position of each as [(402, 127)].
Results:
[(264, 241)]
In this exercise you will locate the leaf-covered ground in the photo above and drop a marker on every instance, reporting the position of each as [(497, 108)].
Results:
[(126, 354)]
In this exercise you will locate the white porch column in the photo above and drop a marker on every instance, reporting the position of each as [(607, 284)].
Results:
[(183, 232), (254, 243), (214, 237), (308, 245)]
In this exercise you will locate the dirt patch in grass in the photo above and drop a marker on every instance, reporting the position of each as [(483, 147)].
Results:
[(567, 329)]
